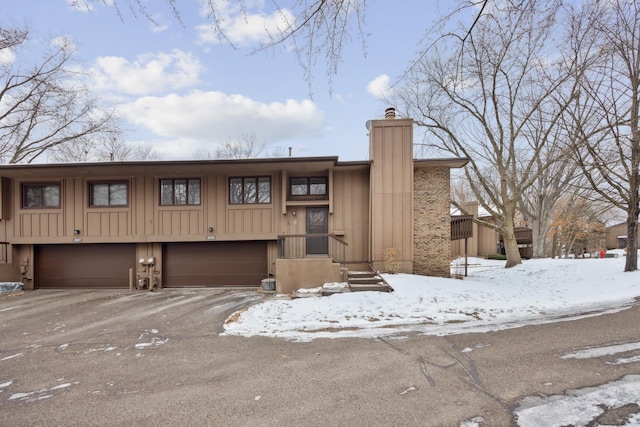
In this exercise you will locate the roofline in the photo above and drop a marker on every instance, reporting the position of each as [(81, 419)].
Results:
[(451, 162), (14, 166), (456, 162)]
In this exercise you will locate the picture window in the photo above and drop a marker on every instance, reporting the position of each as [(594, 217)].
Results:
[(108, 194), (45, 195), (250, 190), (180, 192)]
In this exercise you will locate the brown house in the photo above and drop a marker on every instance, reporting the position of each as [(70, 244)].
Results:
[(303, 221), (484, 241), (617, 236)]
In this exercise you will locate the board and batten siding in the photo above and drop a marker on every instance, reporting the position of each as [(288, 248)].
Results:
[(391, 150), (351, 212), (143, 217)]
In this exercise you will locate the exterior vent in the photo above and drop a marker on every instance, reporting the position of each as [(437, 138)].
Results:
[(390, 113)]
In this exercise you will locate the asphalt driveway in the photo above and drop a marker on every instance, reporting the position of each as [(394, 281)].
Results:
[(121, 358)]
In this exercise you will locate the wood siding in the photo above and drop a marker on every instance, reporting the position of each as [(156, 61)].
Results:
[(613, 232), (143, 218), (391, 149), (484, 241), (351, 213)]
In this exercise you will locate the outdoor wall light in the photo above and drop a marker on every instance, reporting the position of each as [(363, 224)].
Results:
[(211, 229), (76, 231), (294, 213)]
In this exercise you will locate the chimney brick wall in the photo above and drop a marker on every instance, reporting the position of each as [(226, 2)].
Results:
[(432, 222)]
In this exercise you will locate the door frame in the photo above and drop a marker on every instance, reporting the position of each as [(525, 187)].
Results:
[(317, 224)]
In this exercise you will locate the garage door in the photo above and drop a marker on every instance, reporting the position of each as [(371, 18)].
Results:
[(84, 266), (214, 264)]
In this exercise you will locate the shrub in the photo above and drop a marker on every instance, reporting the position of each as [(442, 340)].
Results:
[(391, 263)]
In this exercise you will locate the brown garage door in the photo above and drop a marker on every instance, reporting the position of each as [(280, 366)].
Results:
[(214, 264), (84, 266)]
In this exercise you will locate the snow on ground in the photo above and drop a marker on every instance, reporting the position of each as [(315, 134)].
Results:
[(580, 407), (490, 298)]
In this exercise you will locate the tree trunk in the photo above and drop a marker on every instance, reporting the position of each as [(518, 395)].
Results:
[(554, 245), (539, 239), (510, 244), (631, 263)]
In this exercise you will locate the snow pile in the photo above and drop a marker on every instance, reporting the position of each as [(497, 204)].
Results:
[(491, 298), (10, 286)]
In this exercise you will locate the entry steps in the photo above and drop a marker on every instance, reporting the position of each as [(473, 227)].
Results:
[(360, 281)]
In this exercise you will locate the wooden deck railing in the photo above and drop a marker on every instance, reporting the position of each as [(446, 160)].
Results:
[(461, 227), (298, 246)]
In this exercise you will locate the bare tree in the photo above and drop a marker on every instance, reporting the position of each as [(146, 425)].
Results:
[(490, 98), (577, 226), (606, 116), (312, 29), (144, 151), (10, 37), (538, 202), (247, 147), (45, 105), (116, 149)]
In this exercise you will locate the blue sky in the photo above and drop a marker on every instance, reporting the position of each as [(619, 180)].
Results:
[(183, 91)]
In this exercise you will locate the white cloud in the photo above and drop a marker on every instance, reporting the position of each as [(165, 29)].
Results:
[(159, 28), (149, 74), (244, 28), (380, 86), (7, 56), (209, 117), (63, 42)]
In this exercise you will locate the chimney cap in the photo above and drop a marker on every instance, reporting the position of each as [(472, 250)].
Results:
[(390, 113)]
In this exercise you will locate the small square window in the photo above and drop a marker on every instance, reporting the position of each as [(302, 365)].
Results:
[(317, 186), (299, 187)]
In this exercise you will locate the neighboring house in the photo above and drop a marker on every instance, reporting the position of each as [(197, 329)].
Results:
[(303, 221), (617, 236), (485, 240)]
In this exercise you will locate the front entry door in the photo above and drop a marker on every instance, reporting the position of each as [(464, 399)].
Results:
[(317, 223)]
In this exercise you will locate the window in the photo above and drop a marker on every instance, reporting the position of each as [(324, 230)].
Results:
[(179, 192), (108, 194), (250, 190), (309, 187), (41, 195)]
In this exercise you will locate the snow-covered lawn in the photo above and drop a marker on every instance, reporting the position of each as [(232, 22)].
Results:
[(490, 298)]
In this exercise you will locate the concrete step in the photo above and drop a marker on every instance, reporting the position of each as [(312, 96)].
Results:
[(361, 281), (365, 280), (358, 274)]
